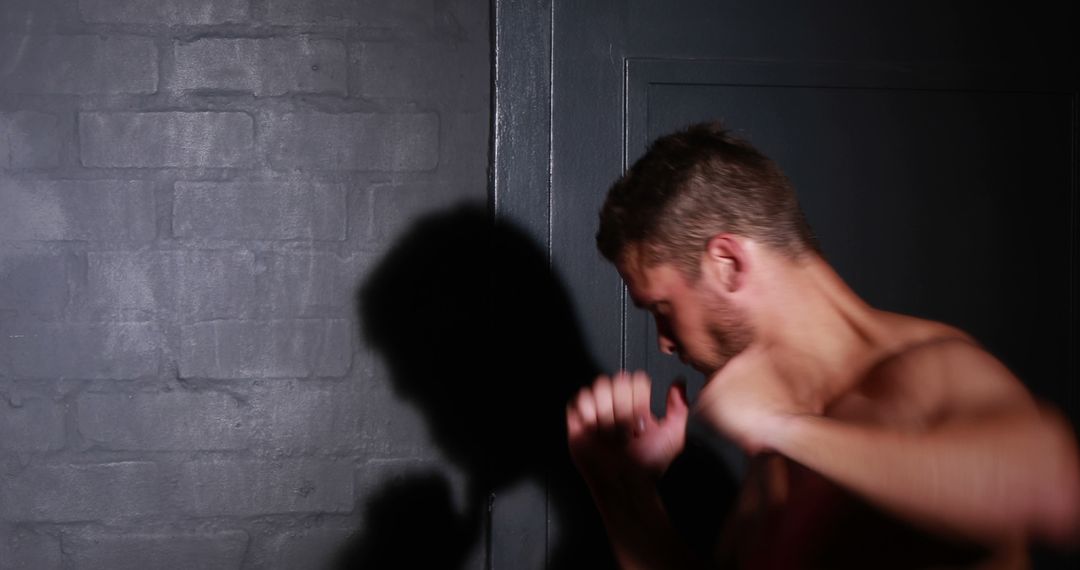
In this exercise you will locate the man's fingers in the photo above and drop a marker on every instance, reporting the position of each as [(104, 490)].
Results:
[(575, 426), (586, 408), (642, 389), (620, 402), (622, 396), (605, 409)]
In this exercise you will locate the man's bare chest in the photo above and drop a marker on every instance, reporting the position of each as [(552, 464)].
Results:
[(806, 521)]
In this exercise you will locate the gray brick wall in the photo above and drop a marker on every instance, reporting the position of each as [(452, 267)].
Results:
[(37, 283), (168, 12), (26, 550), (178, 420), (32, 425), (29, 140), (83, 492), (300, 348), (45, 210), (402, 14), (82, 64), (274, 66), (201, 551), (260, 211), (366, 141), (191, 194), (179, 139), (243, 487), (294, 549), (106, 351)]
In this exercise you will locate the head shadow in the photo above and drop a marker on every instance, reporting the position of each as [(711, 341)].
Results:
[(477, 333)]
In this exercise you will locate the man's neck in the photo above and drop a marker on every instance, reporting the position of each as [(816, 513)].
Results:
[(816, 332)]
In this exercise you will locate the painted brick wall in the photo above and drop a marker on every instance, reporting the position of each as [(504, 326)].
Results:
[(191, 193)]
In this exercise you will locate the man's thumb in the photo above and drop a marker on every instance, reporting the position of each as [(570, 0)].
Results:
[(677, 406)]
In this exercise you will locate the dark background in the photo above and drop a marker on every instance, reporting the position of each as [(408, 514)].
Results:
[(932, 144)]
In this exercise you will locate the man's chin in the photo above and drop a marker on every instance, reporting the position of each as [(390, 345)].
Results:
[(692, 363), (710, 369), (707, 369)]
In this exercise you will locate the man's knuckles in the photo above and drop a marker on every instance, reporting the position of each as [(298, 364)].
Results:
[(614, 404)]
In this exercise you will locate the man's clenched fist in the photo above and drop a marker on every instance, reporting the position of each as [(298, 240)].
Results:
[(610, 427)]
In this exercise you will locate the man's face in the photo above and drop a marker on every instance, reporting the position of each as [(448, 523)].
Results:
[(692, 321)]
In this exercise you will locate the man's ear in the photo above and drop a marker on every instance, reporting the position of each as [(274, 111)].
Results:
[(725, 262)]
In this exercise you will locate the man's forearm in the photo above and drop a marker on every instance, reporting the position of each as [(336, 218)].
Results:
[(988, 479), (637, 523)]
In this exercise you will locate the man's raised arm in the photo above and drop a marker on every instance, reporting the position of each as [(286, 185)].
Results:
[(993, 466), (621, 450)]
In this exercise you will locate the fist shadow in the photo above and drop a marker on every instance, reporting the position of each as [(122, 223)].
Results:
[(412, 523)]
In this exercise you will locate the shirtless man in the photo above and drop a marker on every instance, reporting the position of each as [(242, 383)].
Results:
[(837, 403)]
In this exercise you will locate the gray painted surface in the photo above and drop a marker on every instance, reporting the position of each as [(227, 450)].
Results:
[(191, 195), (520, 190)]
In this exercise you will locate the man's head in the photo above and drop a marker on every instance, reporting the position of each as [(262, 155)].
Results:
[(698, 321), (693, 185), (683, 226)]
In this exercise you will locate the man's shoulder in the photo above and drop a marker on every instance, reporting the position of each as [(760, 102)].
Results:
[(946, 369), (910, 332)]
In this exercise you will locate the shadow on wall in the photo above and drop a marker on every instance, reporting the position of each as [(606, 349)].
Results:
[(479, 335)]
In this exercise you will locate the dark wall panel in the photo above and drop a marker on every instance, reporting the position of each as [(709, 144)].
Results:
[(934, 144)]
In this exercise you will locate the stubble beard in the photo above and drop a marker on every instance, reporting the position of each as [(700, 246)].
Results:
[(731, 333)]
